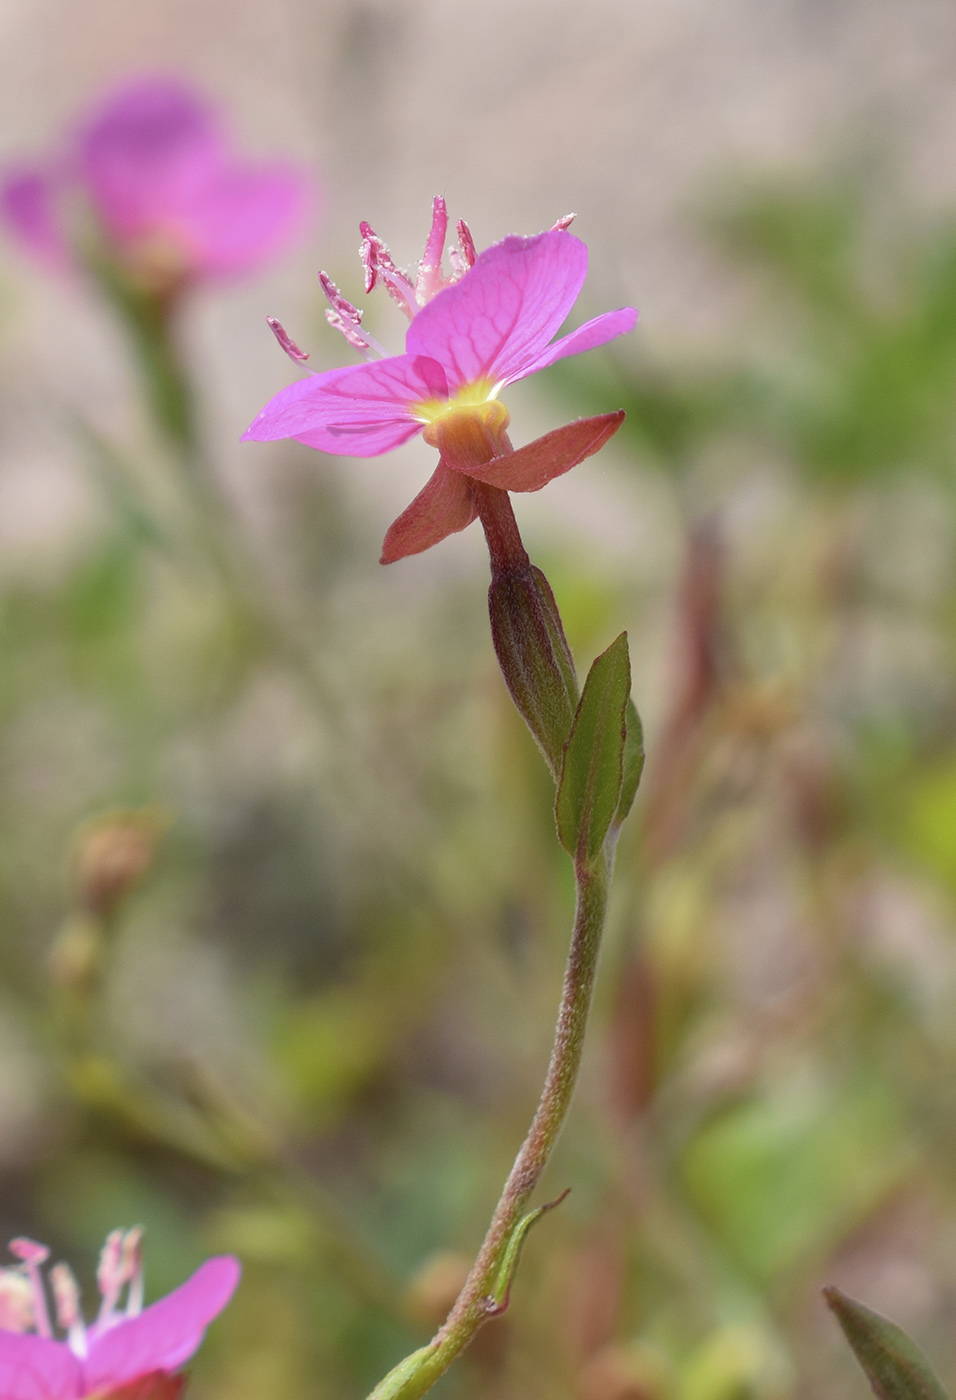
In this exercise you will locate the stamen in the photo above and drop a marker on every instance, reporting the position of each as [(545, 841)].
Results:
[(286, 342), (33, 1255), (343, 316), (66, 1295), (359, 340), (16, 1301), (377, 261), (563, 223), (133, 1270), (338, 302), (109, 1275), (466, 244), (430, 279)]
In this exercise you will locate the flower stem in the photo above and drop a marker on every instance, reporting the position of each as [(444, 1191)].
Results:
[(508, 554), (477, 1303)]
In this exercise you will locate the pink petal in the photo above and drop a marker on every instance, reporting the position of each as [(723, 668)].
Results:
[(498, 319), (166, 1334), (586, 337), (151, 147), (28, 204), (359, 411), (34, 1368), (240, 217), (442, 507), (531, 467)]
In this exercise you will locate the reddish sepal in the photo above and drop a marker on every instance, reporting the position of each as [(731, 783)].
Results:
[(443, 506), (531, 467)]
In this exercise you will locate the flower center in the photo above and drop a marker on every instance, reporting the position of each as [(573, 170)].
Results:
[(481, 393), (157, 262), (23, 1298), (469, 434)]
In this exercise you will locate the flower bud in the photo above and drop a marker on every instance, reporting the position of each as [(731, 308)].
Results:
[(535, 658), (112, 854), (433, 1289), (626, 1371)]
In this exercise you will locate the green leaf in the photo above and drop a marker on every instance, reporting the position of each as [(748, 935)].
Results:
[(592, 774), (894, 1365), (633, 762), (501, 1291), (778, 1175)]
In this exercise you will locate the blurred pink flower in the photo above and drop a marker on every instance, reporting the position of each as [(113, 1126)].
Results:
[(472, 333), (151, 169), (127, 1349)]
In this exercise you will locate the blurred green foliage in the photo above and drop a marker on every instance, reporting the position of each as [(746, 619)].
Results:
[(312, 1032)]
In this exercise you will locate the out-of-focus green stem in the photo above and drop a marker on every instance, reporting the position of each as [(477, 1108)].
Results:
[(149, 315), (477, 1301), (150, 320), (212, 1136)]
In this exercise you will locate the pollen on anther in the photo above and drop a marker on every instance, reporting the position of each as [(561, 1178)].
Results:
[(286, 342)]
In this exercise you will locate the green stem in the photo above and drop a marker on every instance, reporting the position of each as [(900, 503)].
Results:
[(476, 1305), (149, 317)]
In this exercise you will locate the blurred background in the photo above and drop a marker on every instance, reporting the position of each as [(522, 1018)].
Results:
[(282, 915)]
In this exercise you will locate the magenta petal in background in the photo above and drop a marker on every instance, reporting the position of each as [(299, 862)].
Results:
[(163, 1336), (33, 1368), (149, 150), (498, 319), (359, 411), (28, 201), (152, 167), (240, 217)]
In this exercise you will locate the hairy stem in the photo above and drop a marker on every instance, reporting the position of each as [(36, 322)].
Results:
[(476, 1303), (507, 553)]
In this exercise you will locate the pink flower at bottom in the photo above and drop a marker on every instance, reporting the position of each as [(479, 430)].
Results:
[(129, 1351), (489, 324), (151, 168)]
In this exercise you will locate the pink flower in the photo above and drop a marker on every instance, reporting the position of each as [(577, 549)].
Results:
[(472, 334), (127, 1349), (151, 170)]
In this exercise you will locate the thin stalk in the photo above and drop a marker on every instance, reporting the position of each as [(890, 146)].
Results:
[(505, 548), (150, 318), (477, 1302)]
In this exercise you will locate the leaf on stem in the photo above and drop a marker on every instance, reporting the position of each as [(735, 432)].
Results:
[(894, 1365), (633, 763), (592, 775), (500, 1294)]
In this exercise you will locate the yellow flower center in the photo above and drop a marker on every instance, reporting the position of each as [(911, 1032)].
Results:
[(469, 434), (470, 396)]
